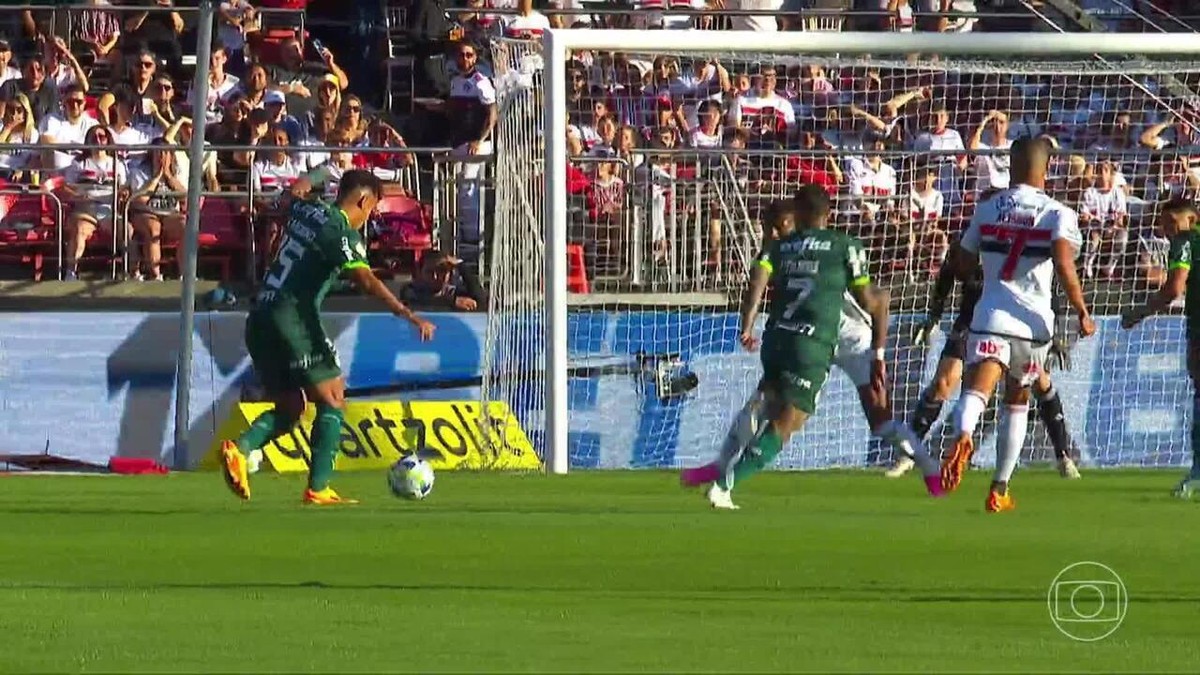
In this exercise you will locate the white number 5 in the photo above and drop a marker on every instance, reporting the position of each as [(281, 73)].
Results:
[(290, 252)]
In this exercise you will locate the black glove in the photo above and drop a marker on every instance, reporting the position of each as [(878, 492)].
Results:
[(923, 331), (1060, 353)]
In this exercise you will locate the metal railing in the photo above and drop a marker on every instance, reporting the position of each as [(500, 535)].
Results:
[(433, 176)]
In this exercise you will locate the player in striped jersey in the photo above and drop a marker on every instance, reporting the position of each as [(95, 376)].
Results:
[(950, 367), (1021, 238)]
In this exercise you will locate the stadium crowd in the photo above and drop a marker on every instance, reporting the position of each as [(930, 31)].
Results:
[(670, 149)]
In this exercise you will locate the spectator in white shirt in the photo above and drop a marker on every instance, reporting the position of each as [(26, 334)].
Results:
[(18, 127), (157, 183), (764, 112), (929, 241), (90, 185), (69, 126), (991, 168), (62, 68), (527, 24), (123, 128), (220, 83), (761, 22), (872, 180), (708, 132), (233, 18), (951, 158), (1104, 217), (275, 170)]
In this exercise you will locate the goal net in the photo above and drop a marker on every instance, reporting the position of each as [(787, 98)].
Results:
[(672, 154)]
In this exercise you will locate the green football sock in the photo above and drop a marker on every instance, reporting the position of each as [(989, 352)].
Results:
[(327, 431), (1195, 473), (764, 451), (264, 429)]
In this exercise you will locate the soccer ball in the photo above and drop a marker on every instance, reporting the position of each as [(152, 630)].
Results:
[(411, 477)]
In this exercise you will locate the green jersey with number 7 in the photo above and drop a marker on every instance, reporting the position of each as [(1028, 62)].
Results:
[(810, 271), (317, 245)]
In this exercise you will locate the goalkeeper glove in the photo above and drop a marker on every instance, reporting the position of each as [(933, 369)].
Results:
[(923, 331), (1060, 353)]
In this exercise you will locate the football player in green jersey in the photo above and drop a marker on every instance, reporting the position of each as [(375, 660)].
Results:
[(288, 346), (1177, 220), (810, 268)]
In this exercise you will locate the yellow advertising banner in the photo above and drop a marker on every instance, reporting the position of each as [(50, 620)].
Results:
[(448, 434)]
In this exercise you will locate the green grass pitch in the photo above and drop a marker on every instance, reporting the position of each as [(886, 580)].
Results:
[(593, 571)]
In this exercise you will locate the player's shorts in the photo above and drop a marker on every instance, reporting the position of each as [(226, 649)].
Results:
[(956, 345), (854, 352), (796, 367), (1025, 360), (290, 351)]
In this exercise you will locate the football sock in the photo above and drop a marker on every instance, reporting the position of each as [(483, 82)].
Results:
[(905, 441), (926, 415), (265, 428), (766, 447), (741, 430), (1010, 437), (1051, 411), (970, 408), (1195, 473), (327, 431)]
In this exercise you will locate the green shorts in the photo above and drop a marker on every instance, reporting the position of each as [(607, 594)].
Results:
[(290, 350), (796, 367)]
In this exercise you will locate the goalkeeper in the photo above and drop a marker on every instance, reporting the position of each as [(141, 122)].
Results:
[(1177, 219), (950, 368)]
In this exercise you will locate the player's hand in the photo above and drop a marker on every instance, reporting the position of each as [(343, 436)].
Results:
[(465, 304), (1087, 327), (923, 331), (879, 379), (1060, 353), (424, 327), (749, 342)]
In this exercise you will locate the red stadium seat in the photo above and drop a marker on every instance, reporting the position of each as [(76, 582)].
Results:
[(407, 225)]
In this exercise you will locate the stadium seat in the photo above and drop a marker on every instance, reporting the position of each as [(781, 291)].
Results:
[(405, 225)]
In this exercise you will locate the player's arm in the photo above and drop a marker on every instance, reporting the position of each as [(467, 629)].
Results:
[(942, 286), (876, 301), (365, 280), (1064, 249), (1179, 265), (760, 277)]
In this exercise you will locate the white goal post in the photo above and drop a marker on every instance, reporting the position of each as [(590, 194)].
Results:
[(557, 44)]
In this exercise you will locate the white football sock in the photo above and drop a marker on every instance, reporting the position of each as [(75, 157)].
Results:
[(968, 411), (902, 438), (1010, 438), (743, 428)]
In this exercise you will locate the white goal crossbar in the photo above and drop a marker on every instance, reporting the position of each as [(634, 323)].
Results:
[(557, 44)]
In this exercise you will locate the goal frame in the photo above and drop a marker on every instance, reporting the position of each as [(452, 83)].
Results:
[(557, 43)]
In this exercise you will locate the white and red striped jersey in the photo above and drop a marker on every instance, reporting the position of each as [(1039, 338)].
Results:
[(866, 181), (656, 13), (268, 177), (1105, 207), (1013, 233), (753, 111), (700, 139), (926, 207), (608, 193), (526, 26), (905, 21)]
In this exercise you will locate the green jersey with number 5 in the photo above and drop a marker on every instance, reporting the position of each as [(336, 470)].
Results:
[(317, 245), (810, 271)]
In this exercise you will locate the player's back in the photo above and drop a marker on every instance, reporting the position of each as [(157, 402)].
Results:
[(314, 244), (1014, 233), (811, 270)]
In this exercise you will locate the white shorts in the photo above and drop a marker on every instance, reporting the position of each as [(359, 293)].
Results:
[(1023, 359), (854, 353)]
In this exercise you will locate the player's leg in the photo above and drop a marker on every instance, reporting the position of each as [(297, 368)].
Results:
[(1010, 438), (947, 377), (269, 356), (1188, 485), (326, 388), (794, 371), (740, 434), (987, 360), (1050, 411)]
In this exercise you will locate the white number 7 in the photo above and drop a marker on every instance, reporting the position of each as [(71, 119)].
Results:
[(290, 251), (803, 288)]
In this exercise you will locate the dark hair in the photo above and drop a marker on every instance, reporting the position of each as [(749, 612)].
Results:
[(356, 180), (1029, 154), (1180, 204), (778, 211), (73, 88), (811, 203), (218, 45)]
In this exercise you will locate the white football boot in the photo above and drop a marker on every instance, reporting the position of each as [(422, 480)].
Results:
[(721, 499)]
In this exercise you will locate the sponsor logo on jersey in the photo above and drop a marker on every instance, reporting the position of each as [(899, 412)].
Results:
[(987, 348), (808, 244)]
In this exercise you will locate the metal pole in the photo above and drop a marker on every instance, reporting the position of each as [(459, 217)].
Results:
[(191, 237)]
